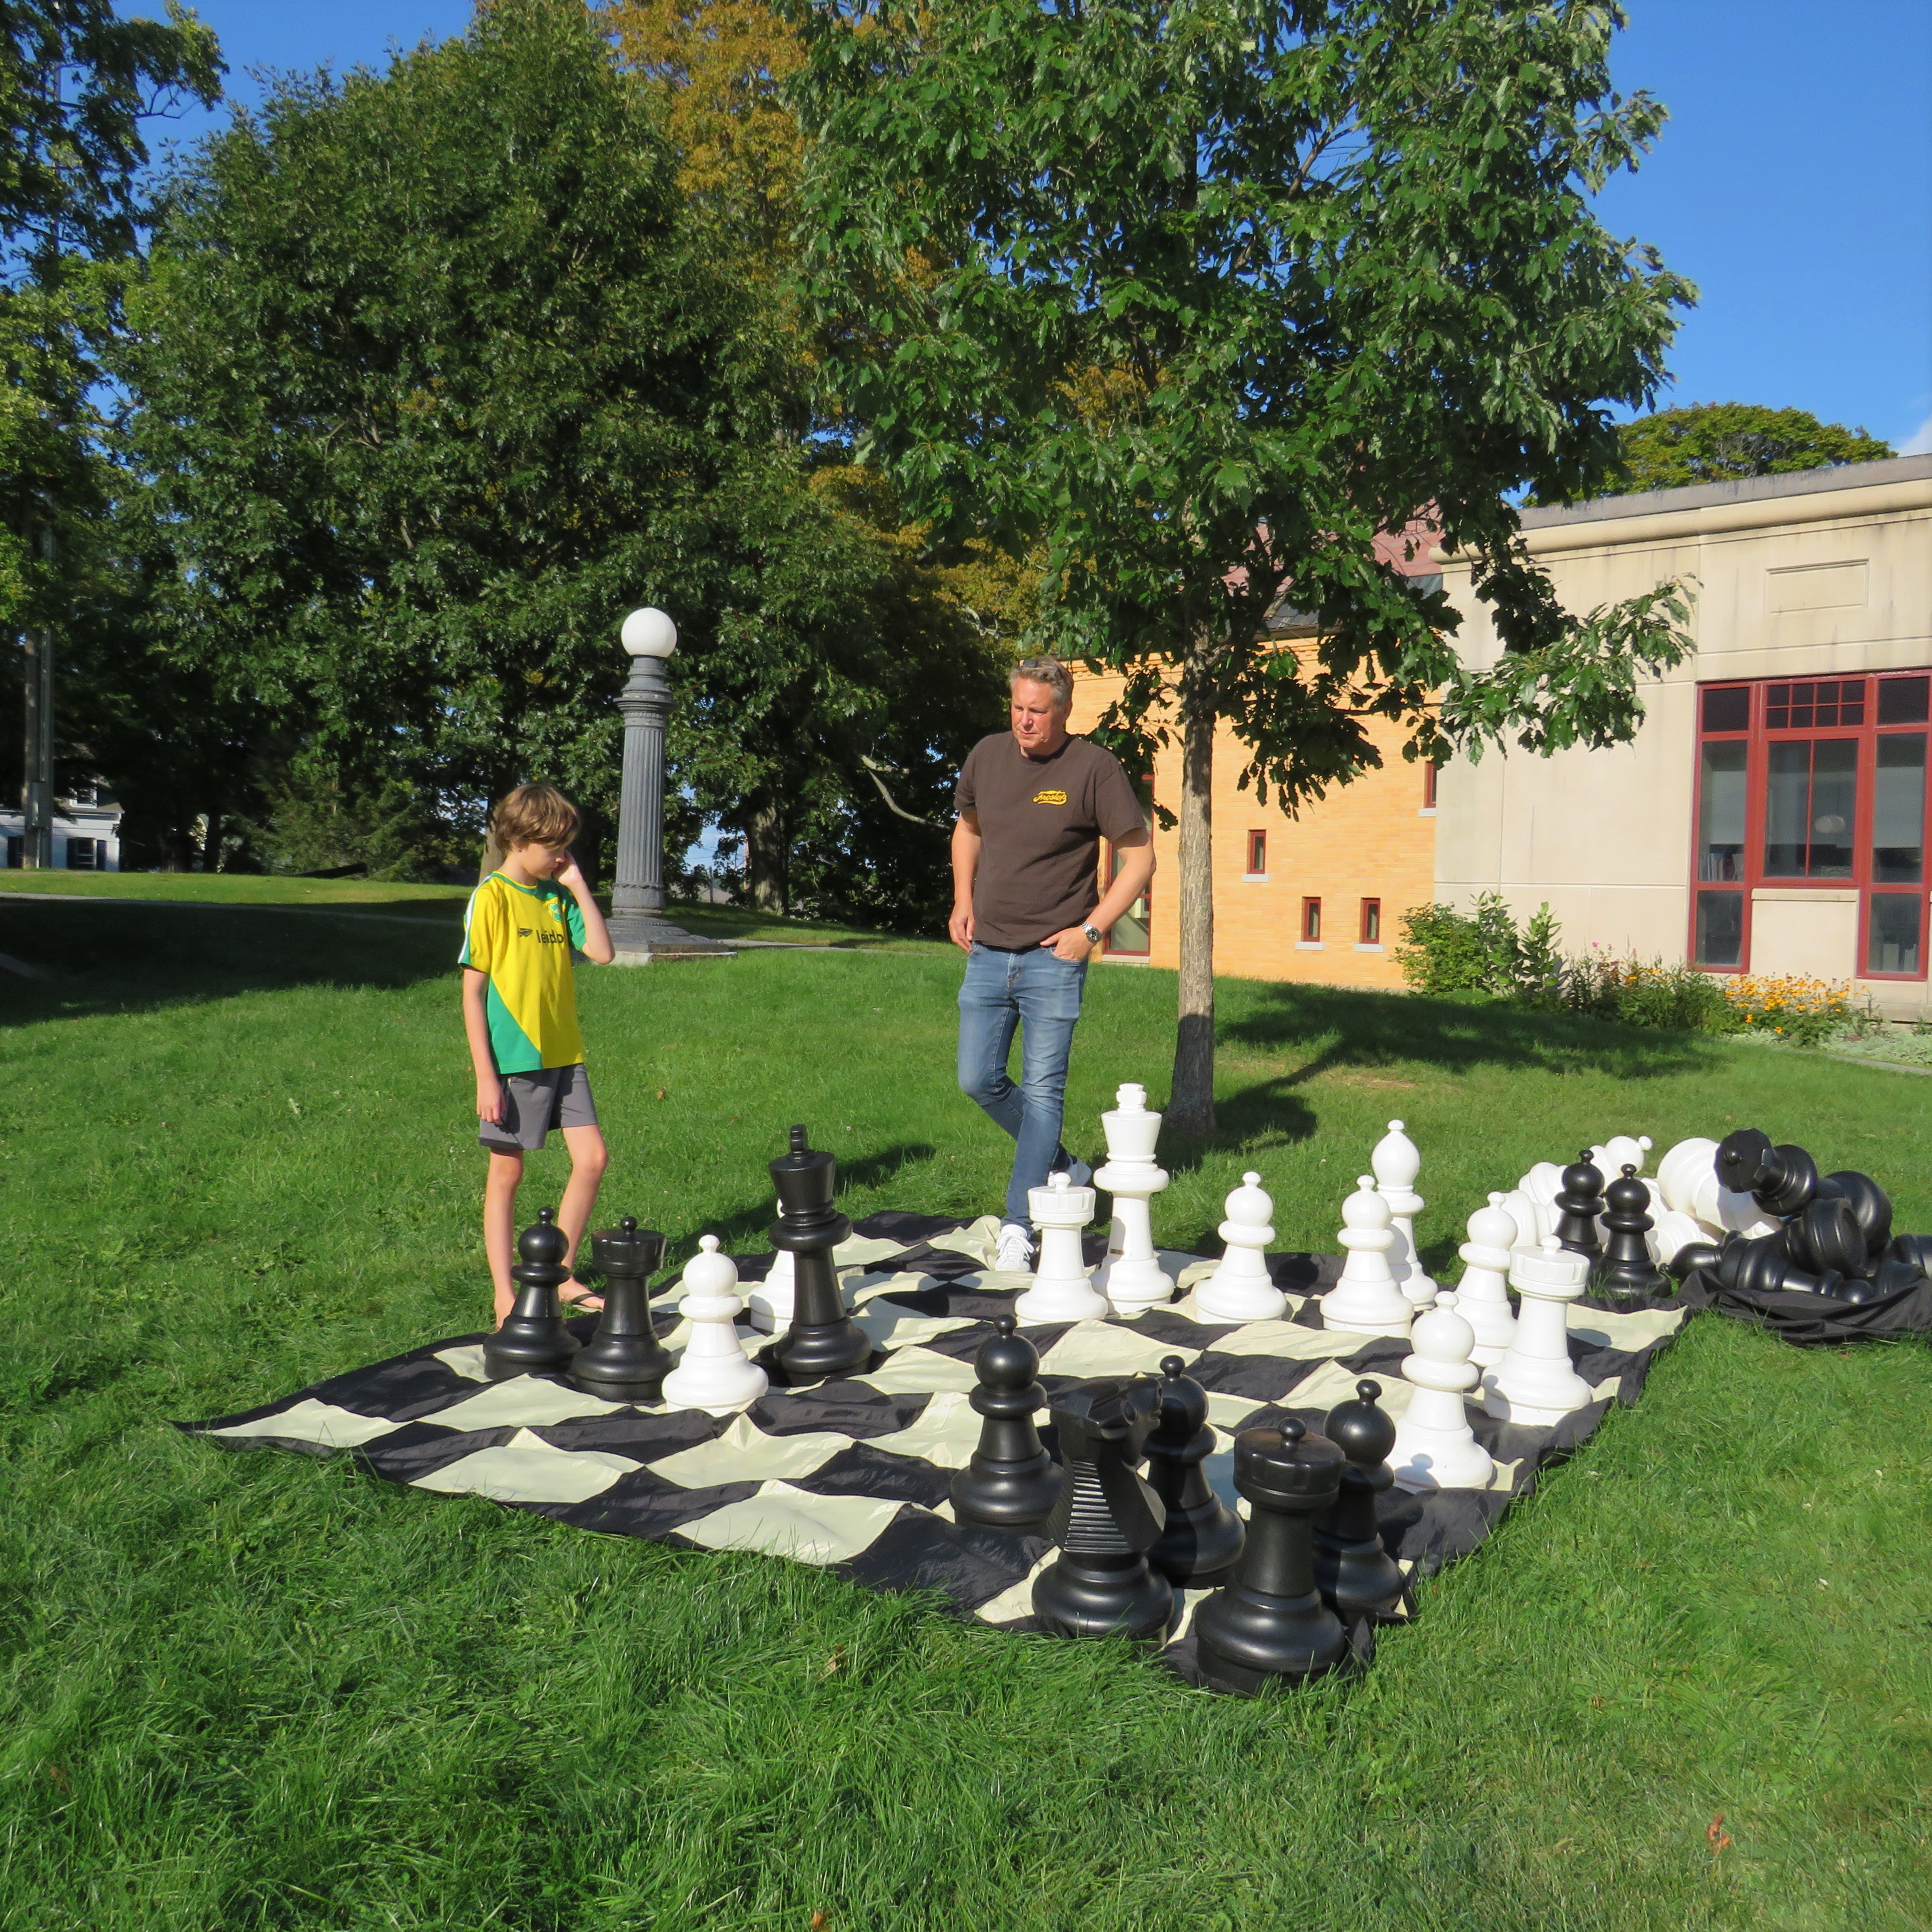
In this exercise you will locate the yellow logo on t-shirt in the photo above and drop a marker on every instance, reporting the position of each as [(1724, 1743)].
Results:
[(1049, 798)]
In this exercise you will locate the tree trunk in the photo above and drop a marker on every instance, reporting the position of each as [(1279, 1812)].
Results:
[(767, 860), (1191, 1107)]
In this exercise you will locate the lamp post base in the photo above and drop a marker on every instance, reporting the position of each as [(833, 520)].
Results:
[(640, 938)]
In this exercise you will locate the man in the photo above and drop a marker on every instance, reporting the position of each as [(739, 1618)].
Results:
[(1028, 913)]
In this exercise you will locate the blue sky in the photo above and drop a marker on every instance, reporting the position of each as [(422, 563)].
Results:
[(1793, 185)]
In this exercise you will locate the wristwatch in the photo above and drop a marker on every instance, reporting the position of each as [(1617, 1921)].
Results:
[(1091, 933)]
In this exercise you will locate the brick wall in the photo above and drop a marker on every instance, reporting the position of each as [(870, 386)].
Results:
[(1368, 840)]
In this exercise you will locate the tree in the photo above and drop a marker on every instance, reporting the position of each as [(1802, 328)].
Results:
[(1201, 295), (1717, 443), (435, 380), (75, 85)]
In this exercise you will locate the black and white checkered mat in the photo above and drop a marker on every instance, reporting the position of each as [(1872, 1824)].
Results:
[(852, 1474)]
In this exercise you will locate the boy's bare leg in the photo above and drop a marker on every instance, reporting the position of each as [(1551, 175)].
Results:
[(589, 1158), (499, 1225)]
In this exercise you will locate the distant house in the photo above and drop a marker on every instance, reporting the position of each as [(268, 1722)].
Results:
[(87, 832), (1771, 816)]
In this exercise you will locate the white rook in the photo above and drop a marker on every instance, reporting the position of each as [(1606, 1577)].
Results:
[(1534, 1383), (1061, 1291), (1131, 1276)]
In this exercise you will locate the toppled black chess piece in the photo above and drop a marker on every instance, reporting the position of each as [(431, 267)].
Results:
[(1356, 1575), (1268, 1624), (1824, 1237), (822, 1340), (624, 1361), (1581, 1200), (1761, 1265), (1202, 1537), (1870, 1204), (1914, 1250), (1012, 1482), (1782, 1180), (1626, 1271), (1105, 1519), (1704, 1255), (533, 1340)]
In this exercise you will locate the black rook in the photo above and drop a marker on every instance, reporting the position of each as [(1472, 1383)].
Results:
[(624, 1361)]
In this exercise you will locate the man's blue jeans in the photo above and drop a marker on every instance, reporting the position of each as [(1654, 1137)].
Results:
[(1041, 993)]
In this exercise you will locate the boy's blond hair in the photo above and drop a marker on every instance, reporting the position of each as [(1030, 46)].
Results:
[(532, 814)]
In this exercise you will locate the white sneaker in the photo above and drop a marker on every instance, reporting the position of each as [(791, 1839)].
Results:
[(1015, 1250)]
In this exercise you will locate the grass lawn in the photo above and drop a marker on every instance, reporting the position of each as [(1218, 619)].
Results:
[(259, 1691)]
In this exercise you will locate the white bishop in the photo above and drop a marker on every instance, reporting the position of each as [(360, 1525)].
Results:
[(713, 1373), (1397, 1161), (1366, 1300), (1434, 1447), (1241, 1288), (1483, 1300)]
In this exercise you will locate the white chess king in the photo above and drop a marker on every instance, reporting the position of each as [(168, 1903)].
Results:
[(1241, 1288), (1132, 1277), (1366, 1300), (1061, 1291), (714, 1373), (1396, 1161)]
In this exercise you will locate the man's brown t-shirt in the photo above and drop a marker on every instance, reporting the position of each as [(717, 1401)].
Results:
[(1041, 822)]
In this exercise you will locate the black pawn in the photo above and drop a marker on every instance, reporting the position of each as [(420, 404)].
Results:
[(1761, 1266), (1012, 1482), (624, 1361), (822, 1340), (1782, 1180), (1105, 1519), (533, 1340), (1270, 1624), (1627, 1269), (1870, 1204), (1825, 1238), (1356, 1575), (1581, 1199), (1203, 1536), (1914, 1250)]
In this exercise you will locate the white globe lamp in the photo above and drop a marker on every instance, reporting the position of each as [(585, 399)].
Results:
[(648, 633)]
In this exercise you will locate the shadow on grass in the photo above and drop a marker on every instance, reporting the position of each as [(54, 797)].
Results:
[(1314, 1031), (92, 957)]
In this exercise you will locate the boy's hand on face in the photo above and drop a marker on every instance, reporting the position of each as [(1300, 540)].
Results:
[(570, 875), (490, 1100)]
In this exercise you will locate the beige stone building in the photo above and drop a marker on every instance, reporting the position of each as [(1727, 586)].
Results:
[(1771, 817)]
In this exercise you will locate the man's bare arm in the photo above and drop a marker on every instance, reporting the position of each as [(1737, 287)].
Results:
[(1135, 854), (965, 869)]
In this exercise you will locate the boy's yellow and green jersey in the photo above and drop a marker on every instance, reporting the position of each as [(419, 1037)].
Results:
[(521, 937)]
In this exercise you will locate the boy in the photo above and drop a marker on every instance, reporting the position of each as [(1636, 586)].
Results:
[(519, 1011)]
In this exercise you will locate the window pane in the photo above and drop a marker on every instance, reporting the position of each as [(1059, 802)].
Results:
[(1835, 800), (1720, 928), (1727, 709), (1893, 945), (1721, 812), (1787, 809), (1852, 701), (1903, 700), (1131, 930), (1898, 811), (1777, 707)]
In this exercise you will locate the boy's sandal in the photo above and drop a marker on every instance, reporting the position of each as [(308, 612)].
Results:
[(582, 1303)]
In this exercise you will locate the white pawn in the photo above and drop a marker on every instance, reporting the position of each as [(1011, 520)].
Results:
[(1132, 1276), (1483, 1300), (1366, 1300), (1397, 1161), (1061, 1291), (1621, 1151), (1241, 1289), (713, 1373), (768, 1305), (1534, 1383), (1434, 1447)]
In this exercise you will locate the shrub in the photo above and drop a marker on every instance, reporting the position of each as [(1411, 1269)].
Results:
[(1445, 951), (1648, 993)]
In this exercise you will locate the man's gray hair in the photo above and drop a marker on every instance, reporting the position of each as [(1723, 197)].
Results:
[(1050, 672)]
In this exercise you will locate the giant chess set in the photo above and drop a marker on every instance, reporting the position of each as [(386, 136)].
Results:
[(1240, 1461)]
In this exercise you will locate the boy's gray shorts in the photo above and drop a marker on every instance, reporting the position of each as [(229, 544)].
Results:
[(533, 1103)]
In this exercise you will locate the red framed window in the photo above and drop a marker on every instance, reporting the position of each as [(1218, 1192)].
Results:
[(1372, 922), (1311, 921), (1132, 937), (1257, 854), (1429, 786), (1814, 781)]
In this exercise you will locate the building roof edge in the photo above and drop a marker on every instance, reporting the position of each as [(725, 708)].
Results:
[(1744, 489)]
